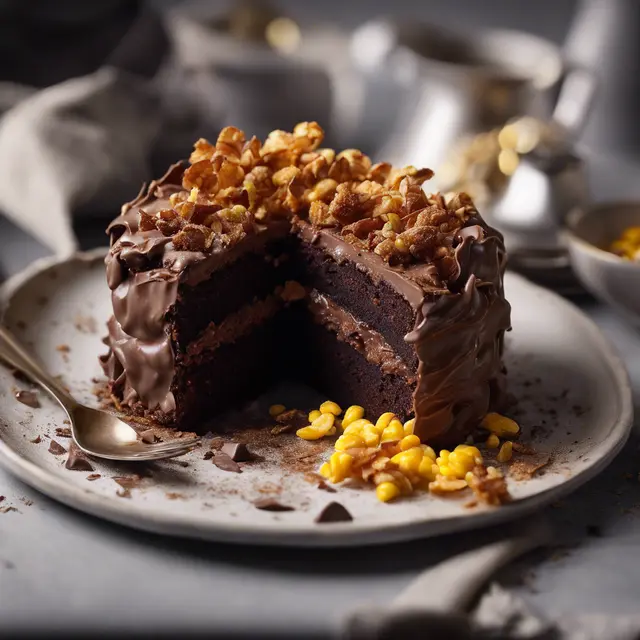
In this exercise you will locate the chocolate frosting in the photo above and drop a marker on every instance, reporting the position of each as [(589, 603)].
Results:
[(458, 335)]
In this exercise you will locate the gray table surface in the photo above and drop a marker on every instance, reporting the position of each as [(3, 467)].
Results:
[(62, 570)]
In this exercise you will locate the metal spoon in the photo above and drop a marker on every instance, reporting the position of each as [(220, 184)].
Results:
[(97, 433)]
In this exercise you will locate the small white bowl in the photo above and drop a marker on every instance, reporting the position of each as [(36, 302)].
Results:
[(608, 277)]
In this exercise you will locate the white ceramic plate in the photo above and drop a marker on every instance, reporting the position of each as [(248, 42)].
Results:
[(572, 391)]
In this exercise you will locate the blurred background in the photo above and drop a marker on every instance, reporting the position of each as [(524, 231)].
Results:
[(530, 107)]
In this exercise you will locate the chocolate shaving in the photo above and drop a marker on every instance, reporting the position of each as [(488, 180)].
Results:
[(56, 448), (7, 509), (148, 436), (93, 476), (522, 470), (237, 451), (224, 462), (29, 398), (77, 460), (323, 486), (333, 512), (36, 440), (269, 504), (123, 493), (63, 432), (128, 482)]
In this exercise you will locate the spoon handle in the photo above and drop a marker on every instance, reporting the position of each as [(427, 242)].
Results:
[(15, 355)]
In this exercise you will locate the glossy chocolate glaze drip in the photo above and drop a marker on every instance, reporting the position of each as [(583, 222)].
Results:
[(360, 336)]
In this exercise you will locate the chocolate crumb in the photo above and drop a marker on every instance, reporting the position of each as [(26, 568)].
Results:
[(123, 493), (77, 460), (207, 455), (290, 420), (86, 324), (36, 440), (26, 502), (21, 324), (56, 448), (172, 495), (29, 398), (333, 512), (2, 498), (269, 504), (63, 348), (224, 462), (7, 509), (63, 432), (594, 531), (128, 482), (147, 436), (93, 476), (237, 451), (216, 443), (323, 486)]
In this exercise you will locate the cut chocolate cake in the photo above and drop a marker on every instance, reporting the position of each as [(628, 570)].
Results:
[(254, 263)]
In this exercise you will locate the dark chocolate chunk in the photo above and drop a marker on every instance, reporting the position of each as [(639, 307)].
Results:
[(333, 512), (208, 455), (2, 498), (224, 462), (63, 432), (36, 440), (270, 504), (77, 460), (237, 451), (29, 398), (56, 448), (128, 482)]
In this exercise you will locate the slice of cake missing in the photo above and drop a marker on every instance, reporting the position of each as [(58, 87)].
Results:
[(255, 263)]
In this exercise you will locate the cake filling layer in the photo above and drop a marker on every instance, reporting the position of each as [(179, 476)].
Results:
[(361, 337), (233, 327)]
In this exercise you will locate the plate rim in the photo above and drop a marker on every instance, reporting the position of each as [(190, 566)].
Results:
[(338, 534)]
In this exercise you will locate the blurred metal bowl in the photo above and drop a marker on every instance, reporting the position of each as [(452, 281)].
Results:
[(608, 277)]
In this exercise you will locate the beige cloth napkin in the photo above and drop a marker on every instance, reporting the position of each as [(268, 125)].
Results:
[(81, 143)]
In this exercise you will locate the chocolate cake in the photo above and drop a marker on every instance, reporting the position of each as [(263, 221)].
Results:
[(255, 262)]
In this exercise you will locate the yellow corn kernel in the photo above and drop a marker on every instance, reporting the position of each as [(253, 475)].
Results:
[(408, 461), (349, 441), (428, 469), (354, 412), (325, 470), (468, 478), (330, 407), (492, 472), (428, 451), (370, 436), (340, 465), (395, 222), (447, 471), (506, 451), (408, 442), (500, 425), (324, 422), (276, 410), (443, 458), (314, 414), (393, 432), (310, 433), (493, 442), (383, 421), (409, 426), (469, 449), (356, 426), (387, 491)]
